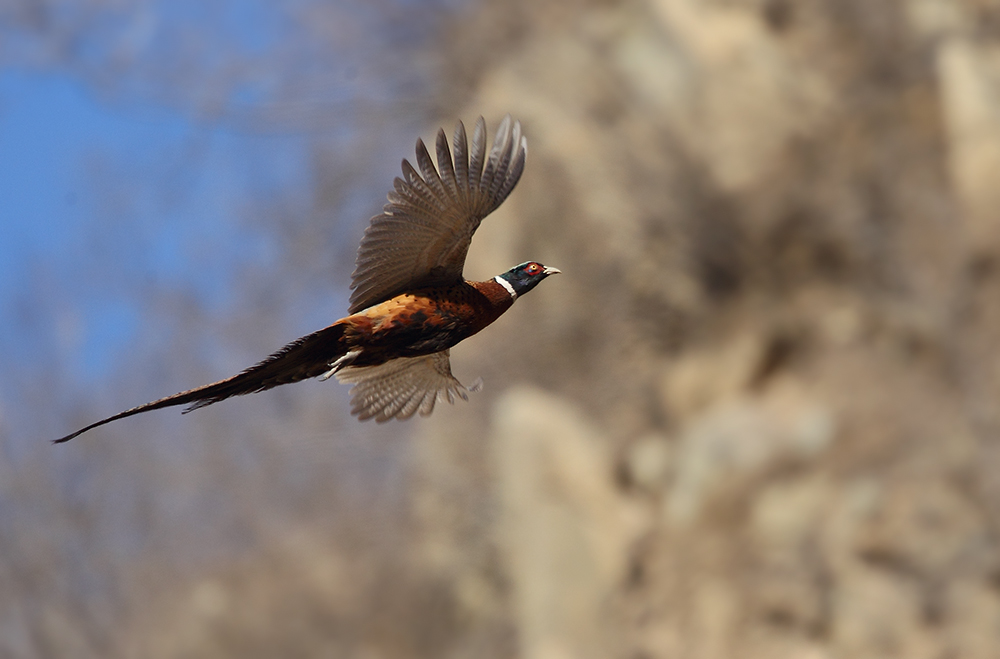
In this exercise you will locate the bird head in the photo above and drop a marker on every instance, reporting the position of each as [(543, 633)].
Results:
[(524, 277)]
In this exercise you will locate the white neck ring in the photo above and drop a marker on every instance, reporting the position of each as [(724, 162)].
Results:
[(506, 284)]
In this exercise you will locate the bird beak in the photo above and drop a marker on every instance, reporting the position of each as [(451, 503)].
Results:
[(551, 271)]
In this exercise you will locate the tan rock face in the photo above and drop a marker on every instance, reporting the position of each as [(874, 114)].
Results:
[(564, 528)]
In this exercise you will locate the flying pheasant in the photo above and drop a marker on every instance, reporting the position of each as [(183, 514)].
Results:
[(410, 302)]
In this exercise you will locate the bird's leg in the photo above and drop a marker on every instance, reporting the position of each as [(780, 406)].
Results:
[(339, 363)]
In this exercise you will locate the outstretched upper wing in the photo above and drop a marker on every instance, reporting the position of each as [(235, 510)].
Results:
[(402, 387), (423, 234)]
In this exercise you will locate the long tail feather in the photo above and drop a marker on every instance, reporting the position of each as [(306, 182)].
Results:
[(301, 359)]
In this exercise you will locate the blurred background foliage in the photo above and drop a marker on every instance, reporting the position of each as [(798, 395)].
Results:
[(756, 417)]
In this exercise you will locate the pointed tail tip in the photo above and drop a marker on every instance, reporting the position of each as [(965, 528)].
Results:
[(63, 440)]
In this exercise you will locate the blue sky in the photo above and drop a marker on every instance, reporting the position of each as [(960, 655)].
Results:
[(97, 195)]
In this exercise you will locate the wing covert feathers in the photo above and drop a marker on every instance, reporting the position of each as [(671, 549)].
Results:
[(423, 234)]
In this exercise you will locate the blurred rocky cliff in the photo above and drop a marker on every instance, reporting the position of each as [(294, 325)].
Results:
[(757, 415)]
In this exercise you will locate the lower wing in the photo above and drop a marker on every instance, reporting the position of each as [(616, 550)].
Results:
[(402, 387)]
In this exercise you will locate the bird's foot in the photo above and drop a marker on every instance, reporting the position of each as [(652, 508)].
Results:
[(339, 363)]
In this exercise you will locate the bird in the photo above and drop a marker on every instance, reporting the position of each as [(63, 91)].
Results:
[(410, 302)]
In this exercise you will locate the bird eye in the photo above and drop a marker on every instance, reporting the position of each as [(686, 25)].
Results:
[(533, 269)]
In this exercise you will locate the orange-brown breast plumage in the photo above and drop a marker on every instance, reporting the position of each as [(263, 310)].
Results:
[(424, 321)]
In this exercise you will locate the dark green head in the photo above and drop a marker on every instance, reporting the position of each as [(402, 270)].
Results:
[(522, 278)]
